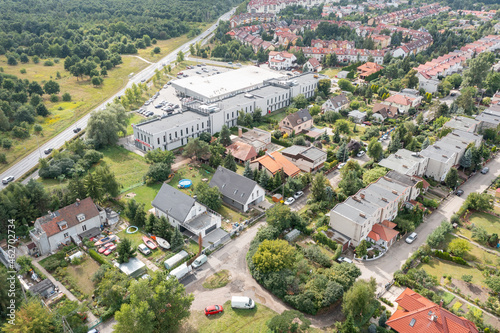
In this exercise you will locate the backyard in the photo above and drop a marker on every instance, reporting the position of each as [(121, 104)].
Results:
[(83, 273)]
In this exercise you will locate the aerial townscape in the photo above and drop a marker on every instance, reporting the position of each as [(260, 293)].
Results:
[(275, 166)]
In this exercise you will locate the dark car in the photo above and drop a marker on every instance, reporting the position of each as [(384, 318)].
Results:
[(459, 192), (48, 151), (76, 130), (213, 309)]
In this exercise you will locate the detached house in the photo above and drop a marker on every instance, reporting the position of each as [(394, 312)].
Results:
[(336, 103), (275, 162), (184, 212), (383, 111), (403, 102), (281, 60), (71, 223), (236, 190), (297, 122), (312, 65), (308, 159)]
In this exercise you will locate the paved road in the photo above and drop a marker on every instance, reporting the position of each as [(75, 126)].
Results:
[(30, 161), (383, 269)]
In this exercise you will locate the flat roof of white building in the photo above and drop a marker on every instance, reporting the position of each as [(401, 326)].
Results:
[(226, 83), (159, 125)]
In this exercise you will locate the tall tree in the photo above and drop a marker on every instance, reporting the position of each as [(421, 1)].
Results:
[(451, 179), (351, 183), (209, 196), (478, 69), (248, 171), (229, 162), (225, 136), (358, 299), (110, 185), (94, 187), (32, 317), (466, 159), (375, 149), (273, 256), (342, 153), (104, 126), (318, 187), (395, 143), (125, 250), (177, 240), (196, 148)]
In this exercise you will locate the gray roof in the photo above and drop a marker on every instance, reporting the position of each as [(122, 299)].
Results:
[(401, 178), (489, 118), (339, 100), (465, 136), (402, 160), (357, 114), (299, 117), (463, 123), (293, 150), (312, 153), (159, 125), (353, 209), (173, 202), (232, 185), (437, 153), (41, 286)]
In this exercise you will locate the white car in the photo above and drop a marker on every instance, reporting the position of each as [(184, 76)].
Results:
[(144, 249), (341, 165), (298, 195), (411, 238), (289, 201), (360, 154), (344, 259)]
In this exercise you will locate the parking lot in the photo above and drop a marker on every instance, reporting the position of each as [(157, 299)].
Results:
[(165, 101)]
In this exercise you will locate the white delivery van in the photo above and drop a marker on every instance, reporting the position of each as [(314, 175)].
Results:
[(242, 302), (180, 271), (199, 261)]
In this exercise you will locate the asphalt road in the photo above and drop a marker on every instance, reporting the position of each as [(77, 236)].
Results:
[(31, 160), (383, 269)]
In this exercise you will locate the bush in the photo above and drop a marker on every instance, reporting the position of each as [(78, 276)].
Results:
[(48, 63), (283, 143), (446, 256), (6, 143), (314, 253), (323, 239), (66, 97), (97, 257), (54, 98)]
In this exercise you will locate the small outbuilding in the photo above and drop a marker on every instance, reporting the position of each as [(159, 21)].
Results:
[(133, 268)]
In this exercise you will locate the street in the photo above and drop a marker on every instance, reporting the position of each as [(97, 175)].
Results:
[(30, 161)]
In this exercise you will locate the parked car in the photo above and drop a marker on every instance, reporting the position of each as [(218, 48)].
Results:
[(49, 150), (169, 83), (76, 130), (298, 195), (242, 302), (94, 330), (485, 170), (199, 261), (341, 165), (144, 249), (7, 180), (360, 154), (344, 259), (213, 309), (410, 239), (149, 114), (109, 250), (105, 247), (459, 192), (289, 201)]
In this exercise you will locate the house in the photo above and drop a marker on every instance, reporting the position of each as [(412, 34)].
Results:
[(71, 223), (281, 60), (440, 161), (463, 123), (357, 116), (489, 118), (275, 162), (383, 111), (307, 159), (382, 235), (403, 102), (312, 65), (336, 103), (242, 151), (368, 69), (297, 122), (467, 137), (257, 138), (236, 190), (184, 212), (406, 162), (416, 313)]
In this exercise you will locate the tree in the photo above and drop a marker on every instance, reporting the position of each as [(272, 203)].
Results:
[(348, 326), (467, 278), (209, 196), (229, 162), (299, 101), (216, 151), (480, 234), (177, 240), (273, 256), (32, 317), (158, 172), (410, 80), (395, 143), (358, 299), (11, 60), (318, 187), (362, 249), (110, 185), (351, 183), (51, 87), (180, 56), (93, 187), (263, 179), (105, 125), (479, 201), (225, 136), (478, 69), (287, 322), (342, 153), (346, 85), (324, 86), (459, 247), (125, 250), (493, 282), (205, 136), (438, 235), (426, 143), (196, 148), (343, 126), (248, 171), (41, 110), (382, 319), (160, 156), (451, 179), (466, 159), (97, 81), (157, 304), (375, 149), (373, 175)]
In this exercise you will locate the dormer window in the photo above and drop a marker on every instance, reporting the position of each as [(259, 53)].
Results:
[(62, 225), (80, 217)]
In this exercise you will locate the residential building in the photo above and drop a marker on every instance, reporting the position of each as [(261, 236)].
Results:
[(368, 69), (467, 137), (336, 103), (297, 122), (383, 111), (255, 137), (71, 223), (451, 143), (281, 60), (236, 190), (463, 123), (357, 116), (440, 161), (242, 151), (184, 212), (247, 18), (403, 102), (307, 159), (406, 162), (312, 65), (416, 314), (274, 162), (382, 234), (489, 118)]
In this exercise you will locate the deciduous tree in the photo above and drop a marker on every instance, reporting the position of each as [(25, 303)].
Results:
[(358, 299), (274, 256)]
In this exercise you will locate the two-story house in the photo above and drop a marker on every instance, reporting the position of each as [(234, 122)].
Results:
[(297, 122), (184, 212), (281, 60), (71, 223), (307, 159), (336, 103)]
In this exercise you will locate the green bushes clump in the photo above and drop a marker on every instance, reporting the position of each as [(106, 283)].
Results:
[(323, 239), (97, 257), (446, 256)]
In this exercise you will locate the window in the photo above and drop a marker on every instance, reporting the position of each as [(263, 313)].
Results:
[(80, 217), (197, 127), (181, 133), (175, 133), (187, 130), (62, 225), (203, 125), (158, 139), (192, 128), (66, 234), (84, 227), (170, 136)]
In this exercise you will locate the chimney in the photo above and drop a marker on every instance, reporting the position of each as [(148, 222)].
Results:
[(77, 202), (240, 132), (441, 303), (362, 195), (362, 215)]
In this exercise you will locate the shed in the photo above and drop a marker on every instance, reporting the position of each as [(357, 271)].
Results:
[(44, 288), (133, 268), (339, 238), (292, 235), (177, 258), (277, 197)]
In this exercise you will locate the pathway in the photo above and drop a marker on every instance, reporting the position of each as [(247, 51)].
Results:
[(147, 61)]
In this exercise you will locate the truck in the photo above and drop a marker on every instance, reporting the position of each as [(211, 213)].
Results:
[(242, 302), (180, 271), (172, 261)]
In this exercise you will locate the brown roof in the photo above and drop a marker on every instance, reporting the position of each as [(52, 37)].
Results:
[(385, 233), (387, 111), (400, 99), (242, 151), (298, 117), (69, 214), (276, 161)]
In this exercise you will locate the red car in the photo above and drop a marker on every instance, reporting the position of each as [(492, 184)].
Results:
[(109, 250), (105, 247), (213, 309)]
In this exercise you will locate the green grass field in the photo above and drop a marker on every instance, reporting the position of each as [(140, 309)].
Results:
[(83, 274), (136, 240), (330, 72), (231, 320), (128, 167), (487, 221), (439, 268)]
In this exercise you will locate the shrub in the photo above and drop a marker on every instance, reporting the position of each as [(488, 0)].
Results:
[(446, 256), (23, 71), (97, 257), (48, 63), (323, 239), (66, 97), (314, 253), (6, 143), (54, 98)]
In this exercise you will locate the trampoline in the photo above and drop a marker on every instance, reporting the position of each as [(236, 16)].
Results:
[(130, 231), (185, 183)]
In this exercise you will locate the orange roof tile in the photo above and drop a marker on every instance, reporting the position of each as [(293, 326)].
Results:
[(242, 151), (276, 161), (385, 233), (374, 236)]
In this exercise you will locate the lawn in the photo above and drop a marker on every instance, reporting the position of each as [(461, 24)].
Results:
[(193, 173), (143, 194), (439, 268), (136, 240), (231, 320), (83, 273), (133, 119), (330, 72), (487, 221), (217, 280), (85, 97)]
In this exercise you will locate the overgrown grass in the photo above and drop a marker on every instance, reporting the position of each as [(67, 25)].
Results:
[(331, 72), (217, 280), (128, 167), (133, 119), (144, 194), (439, 268), (82, 274), (489, 222)]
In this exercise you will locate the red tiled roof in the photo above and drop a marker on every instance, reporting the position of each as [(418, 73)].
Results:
[(276, 161), (385, 233), (242, 151), (373, 236), (389, 224), (399, 99)]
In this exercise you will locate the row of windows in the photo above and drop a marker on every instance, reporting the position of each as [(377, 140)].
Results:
[(277, 99)]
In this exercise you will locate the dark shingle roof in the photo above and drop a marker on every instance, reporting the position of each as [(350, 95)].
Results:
[(173, 202), (299, 117), (232, 185)]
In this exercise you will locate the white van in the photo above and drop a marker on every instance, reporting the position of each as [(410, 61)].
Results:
[(199, 261), (242, 302), (180, 271)]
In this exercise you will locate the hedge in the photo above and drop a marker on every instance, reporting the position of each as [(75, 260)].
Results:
[(281, 142), (446, 256), (323, 239), (352, 66), (97, 257), (373, 76)]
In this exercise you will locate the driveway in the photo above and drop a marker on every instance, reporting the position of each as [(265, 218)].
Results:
[(383, 269)]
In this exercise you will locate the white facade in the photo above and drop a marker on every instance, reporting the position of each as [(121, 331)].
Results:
[(440, 162)]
